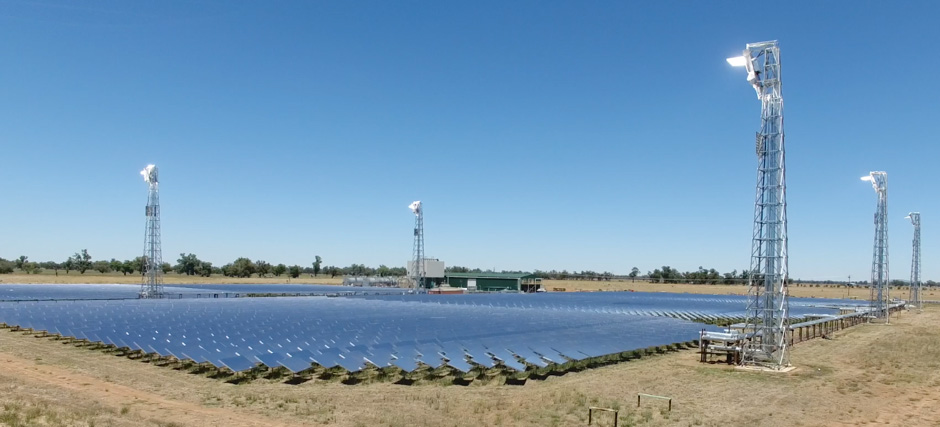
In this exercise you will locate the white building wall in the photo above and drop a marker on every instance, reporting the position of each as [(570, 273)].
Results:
[(433, 269)]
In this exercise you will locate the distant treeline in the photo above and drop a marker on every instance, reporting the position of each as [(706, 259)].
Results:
[(191, 265)]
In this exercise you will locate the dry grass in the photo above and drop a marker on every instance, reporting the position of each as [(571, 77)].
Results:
[(867, 374), (28, 404)]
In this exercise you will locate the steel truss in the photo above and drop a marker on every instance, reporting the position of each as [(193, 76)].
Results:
[(878, 303), (915, 296), (767, 320), (417, 254), (152, 284)]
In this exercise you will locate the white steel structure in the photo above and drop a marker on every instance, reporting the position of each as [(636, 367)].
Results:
[(915, 298), (879, 262), (767, 313), (417, 253), (152, 285)]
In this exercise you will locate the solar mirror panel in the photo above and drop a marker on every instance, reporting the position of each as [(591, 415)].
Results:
[(380, 358), (198, 355), (548, 353), (352, 362), (327, 357), (406, 364), (460, 364), (237, 364), (512, 363), (529, 356)]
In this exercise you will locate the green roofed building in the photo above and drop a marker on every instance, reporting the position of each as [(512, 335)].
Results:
[(494, 282)]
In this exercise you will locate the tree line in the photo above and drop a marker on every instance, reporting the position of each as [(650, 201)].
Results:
[(191, 265), (242, 267)]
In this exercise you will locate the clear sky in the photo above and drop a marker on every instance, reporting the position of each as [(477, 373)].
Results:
[(540, 135)]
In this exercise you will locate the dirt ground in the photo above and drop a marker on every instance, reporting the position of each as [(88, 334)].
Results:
[(869, 374)]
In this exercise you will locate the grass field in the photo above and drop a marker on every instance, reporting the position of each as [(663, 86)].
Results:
[(869, 374), (796, 290)]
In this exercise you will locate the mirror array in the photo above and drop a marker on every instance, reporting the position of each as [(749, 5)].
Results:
[(695, 307), (374, 328), (351, 333)]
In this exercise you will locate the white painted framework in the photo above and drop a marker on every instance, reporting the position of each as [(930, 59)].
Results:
[(880, 281), (767, 316), (152, 283), (417, 252), (915, 295)]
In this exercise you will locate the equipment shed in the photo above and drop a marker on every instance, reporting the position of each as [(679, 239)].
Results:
[(493, 282)]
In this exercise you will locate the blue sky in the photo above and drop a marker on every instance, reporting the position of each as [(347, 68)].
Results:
[(540, 135)]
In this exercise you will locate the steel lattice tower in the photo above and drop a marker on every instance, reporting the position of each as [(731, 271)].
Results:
[(915, 299), (879, 263), (152, 284), (417, 253), (767, 305)]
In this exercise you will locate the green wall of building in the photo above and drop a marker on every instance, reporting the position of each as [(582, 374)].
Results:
[(486, 284)]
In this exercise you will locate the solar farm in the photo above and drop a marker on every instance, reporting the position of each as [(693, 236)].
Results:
[(362, 331)]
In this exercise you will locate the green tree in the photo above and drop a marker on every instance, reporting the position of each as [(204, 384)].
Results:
[(242, 267), (262, 267), (316, 265), (187, 264), (101, 266), (383, 271), (50, 265), (295, 271), (358, 270), (116, 265), (729, 278), (140, 265), (68, 265), (204, 268), (82, 261), (31, 268), (21, 261), (280, 269), (166, 267), (127, 267), (6, 267), (633, 273)]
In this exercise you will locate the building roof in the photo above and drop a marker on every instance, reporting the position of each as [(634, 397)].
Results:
[(490, 275)]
